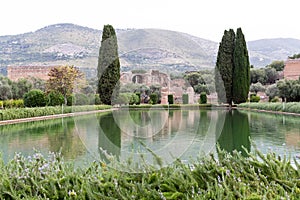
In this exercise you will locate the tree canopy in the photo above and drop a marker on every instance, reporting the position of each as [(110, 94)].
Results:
[(62, 79), (232, 72), (108, 67)]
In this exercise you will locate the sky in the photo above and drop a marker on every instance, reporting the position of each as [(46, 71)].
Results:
[(259, 19)]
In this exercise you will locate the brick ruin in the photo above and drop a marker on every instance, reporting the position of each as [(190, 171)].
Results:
[(292, 69), (168, 86), (15, 73)]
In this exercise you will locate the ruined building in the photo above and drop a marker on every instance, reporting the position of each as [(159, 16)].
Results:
[(16, 72), (292, 69)]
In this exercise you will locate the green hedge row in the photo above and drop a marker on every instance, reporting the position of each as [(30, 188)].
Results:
[(19, 103), (18, 113), (293, 107), (229, 176)]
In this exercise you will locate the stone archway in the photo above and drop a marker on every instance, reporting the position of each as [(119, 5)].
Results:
[(137, 79)]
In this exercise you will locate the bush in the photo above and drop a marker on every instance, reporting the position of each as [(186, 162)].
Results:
[(122, 99), (203, 98), (1, 104), (254, 98), (292, 107), (185, 98), (55, 98), (274, 100), (34, 98), (170, 99), (18, 113), (133, 99), (94, 99), (7, 104), (138, 102), (70, 100), (81, 99), (19, 103), (153, 98)]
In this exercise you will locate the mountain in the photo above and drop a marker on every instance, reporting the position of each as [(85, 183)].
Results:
[(263, 52), (138, 49)]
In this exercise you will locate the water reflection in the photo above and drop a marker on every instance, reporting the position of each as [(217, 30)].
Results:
[(168, 133), (235, 132), (109, 137), (57, 135)]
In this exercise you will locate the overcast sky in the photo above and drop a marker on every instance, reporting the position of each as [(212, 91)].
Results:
[(207, 19)]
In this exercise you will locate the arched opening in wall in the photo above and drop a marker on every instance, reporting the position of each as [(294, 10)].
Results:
[(137, 79)]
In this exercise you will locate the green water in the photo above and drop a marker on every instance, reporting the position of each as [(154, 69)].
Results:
[(168, 134)]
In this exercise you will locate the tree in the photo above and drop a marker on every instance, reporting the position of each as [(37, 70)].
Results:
[(272, 91), (271, 75), (241, 69), (5, 92), (23, 86), (258, 75), (34, 98), (257, 87), (278, 65), (285, 88), (224, 68), (55, 98), (108, 66), (232, 72), (62, 79)]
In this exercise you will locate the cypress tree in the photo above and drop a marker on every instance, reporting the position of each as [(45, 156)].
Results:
[(241, 72), (224, 68), (108, 67)]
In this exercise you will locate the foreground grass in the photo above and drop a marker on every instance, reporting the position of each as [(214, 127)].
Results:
[(231, 176), (293, 107), (19, 113)]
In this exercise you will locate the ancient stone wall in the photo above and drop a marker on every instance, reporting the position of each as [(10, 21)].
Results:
[(292, 69), (17, 72)]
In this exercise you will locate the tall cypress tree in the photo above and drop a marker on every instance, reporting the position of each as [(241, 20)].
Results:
[(241, 72), (108, 66), (224, 68)]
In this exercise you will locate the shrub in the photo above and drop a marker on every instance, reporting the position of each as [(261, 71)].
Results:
[(138, 102), (55, 98), (170, 99), (203, 98), (153, 98), (81, 99), (1, 104), (274, 100), (70, 100), (185, 98), (254, 98), (8, 104), (19, 103), (35, 98), (122, 99), (133, 98), (97, 99)]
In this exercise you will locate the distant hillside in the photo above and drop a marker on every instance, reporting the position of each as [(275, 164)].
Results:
[(139, 48), (263, 52)]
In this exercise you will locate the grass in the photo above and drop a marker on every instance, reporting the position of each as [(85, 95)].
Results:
[(19, 113), (292, 107), (230, 176)]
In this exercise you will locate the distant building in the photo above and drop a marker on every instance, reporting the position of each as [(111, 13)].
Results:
[(17, 72), (291, 69)]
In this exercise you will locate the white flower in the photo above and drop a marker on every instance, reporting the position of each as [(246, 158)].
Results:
[(72, 193)]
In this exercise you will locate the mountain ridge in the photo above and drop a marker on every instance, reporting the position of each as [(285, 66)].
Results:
[(164, 50)]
